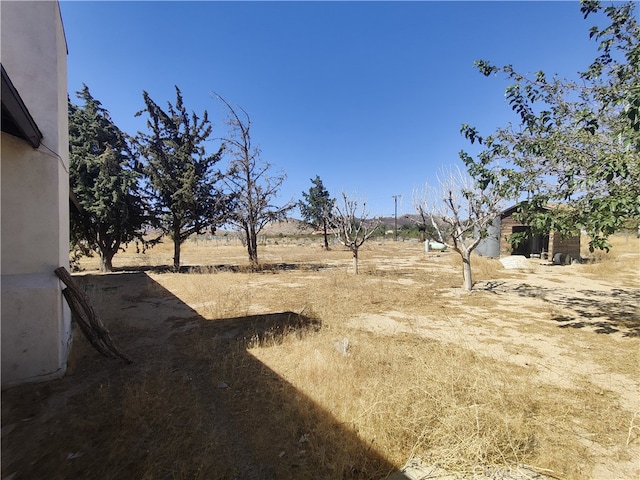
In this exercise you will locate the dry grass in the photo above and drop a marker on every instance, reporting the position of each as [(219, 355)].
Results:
[(299, 406), (445, 404), (615, 263)]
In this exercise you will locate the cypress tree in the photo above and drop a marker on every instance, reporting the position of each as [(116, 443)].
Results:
[(106, 210), (316, 208), (182, 183)]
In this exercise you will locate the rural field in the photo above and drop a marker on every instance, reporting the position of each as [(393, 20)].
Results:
[(304, 370)]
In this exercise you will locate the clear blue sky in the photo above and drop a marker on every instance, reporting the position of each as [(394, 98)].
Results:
[(370, 96)]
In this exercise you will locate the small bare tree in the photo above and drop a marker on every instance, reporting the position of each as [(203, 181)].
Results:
[(249, 180), (352, 226), (460, 212)]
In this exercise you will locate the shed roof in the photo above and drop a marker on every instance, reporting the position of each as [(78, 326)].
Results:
[(510, 210)]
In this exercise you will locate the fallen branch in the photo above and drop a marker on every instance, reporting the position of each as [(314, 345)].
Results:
[(87, 318)]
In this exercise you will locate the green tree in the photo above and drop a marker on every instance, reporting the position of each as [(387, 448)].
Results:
[(250, 183), (316, 208), (577, 143), (185, 189), (107, 210)]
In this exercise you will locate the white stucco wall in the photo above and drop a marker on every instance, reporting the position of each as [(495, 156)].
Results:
[(34, 197)]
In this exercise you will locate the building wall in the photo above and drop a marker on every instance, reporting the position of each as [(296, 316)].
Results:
[(557, 243), (34, 197), (568, 246), (506, 228)]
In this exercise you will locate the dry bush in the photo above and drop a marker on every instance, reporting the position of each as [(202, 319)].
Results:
[(486, 268), (625, 249), (482, 268)]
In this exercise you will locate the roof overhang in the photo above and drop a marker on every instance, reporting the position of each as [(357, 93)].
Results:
[(512, 209), (16, 119)]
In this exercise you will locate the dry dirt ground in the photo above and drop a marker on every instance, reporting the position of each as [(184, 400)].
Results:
[(566, 326), (567, 361)]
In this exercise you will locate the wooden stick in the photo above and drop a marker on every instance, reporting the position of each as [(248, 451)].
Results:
[(87, 318)]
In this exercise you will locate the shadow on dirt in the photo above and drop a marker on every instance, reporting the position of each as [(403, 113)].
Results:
[(193, 404), (262, 268), (616, 312)]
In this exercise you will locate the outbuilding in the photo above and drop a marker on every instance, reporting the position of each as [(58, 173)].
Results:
[(499, 242)]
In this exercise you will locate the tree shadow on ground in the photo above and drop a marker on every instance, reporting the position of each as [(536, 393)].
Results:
[(193, 404), (225, 267), (616, 311), (605, 314)]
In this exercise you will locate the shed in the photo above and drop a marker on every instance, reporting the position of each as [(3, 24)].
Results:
[(548, 243), (498, 242)]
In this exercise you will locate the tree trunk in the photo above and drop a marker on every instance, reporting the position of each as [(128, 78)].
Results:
[(106, 261), (324, 228), (252, 247), (107, 248), (176, 248), (354, 251), (467, 282)]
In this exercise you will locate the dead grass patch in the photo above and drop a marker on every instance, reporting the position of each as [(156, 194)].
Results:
[(444, 404), (625, 249), (227, 384)]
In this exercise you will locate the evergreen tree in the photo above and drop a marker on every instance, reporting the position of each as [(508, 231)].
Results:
[(316, 208), (184, 188), (107, 211)]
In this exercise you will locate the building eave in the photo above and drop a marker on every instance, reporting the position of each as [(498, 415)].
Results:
[(16, 119)]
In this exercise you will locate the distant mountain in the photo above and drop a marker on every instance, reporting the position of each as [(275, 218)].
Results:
[(293, 226), (289, 226), (402, 220)]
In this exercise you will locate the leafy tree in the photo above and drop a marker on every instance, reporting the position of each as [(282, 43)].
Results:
[(577, 143), (352, 225), (316, 208), (186, 191), (460, 211), (107, 211), (248, 179)]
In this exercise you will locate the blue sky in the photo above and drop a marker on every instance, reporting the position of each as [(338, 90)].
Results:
[(370, 96)]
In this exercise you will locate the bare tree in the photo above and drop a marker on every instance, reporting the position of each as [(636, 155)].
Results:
[(352, 226), (251, 186), (460, 212)]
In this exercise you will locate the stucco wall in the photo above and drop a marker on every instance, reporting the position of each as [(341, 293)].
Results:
[(34, 197)]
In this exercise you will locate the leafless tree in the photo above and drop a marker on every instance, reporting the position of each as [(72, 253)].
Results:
[(460, 212), (250, 182), (352, 225)]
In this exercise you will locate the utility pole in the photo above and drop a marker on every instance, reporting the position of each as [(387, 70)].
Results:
[(395, 217)]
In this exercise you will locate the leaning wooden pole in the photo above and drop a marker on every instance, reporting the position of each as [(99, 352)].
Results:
[(87, 318)]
